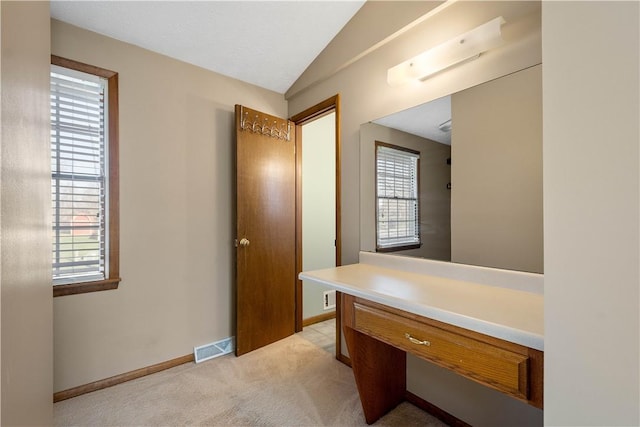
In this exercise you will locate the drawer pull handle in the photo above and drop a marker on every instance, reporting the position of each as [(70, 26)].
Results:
[(417, 341)]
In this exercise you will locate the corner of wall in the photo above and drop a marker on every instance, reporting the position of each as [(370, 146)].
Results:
[(26, 364)]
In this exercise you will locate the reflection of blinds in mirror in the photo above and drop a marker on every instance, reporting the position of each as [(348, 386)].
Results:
[(397, 222)]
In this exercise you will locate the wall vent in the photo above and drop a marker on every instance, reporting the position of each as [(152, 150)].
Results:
[(328, 300), (218, 348)]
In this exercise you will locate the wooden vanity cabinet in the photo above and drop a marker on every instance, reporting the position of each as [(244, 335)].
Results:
[(378, 338)]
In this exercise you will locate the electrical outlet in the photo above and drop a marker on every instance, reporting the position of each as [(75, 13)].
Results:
[(328, 300)]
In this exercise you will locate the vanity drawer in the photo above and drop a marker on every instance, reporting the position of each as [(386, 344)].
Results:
[(480, 361)]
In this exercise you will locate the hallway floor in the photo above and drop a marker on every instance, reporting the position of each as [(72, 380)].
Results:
[(322, 334)]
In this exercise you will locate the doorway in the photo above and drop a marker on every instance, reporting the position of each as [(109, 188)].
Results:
[(318, 237), (318, 215)]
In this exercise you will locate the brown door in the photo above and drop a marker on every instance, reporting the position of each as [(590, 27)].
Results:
[(265, 230)]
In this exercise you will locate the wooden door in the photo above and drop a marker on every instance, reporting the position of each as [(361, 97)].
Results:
[(265, 233)]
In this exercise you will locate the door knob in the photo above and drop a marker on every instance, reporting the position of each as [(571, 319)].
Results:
[(244, 242)]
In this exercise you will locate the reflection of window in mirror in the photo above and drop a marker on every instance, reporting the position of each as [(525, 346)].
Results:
[(397, 200)]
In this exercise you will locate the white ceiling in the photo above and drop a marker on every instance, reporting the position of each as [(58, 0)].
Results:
[(422, 120), (266, 43)]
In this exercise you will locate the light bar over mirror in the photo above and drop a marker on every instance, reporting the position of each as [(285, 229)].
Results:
[(464, 47)]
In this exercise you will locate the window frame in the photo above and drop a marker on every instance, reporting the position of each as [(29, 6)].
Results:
[(113, 203), (377, 199)]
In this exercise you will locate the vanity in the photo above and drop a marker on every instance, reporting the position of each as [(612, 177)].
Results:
[(448, 251), (482, 323)]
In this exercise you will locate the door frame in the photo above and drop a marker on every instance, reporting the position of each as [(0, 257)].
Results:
[(325, 107)]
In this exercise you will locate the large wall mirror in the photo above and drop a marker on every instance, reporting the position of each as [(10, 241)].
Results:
[(480, 174)]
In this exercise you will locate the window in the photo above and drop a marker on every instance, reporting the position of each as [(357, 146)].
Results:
[(397, 204), (84, 177)]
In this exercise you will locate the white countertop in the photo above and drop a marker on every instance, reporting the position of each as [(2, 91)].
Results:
[(508, 314)]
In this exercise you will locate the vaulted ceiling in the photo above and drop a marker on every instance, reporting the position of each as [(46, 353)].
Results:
[(266, 43)]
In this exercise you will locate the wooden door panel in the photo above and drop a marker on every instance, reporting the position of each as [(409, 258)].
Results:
[(265, 210)]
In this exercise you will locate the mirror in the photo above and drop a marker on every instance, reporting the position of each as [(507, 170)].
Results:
[(484, 207)]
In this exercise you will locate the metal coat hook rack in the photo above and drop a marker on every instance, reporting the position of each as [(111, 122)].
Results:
[(275, 130)]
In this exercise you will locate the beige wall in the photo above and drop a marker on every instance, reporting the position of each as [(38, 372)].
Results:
[(496, 201), (591, 98), (176, 214), (365, 96), (25, 227), (435, 198)]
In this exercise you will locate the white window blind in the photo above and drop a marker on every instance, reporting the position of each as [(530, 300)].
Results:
[(397, 197), (79, 176)]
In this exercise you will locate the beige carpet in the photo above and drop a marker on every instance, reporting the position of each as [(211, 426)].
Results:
[(289, 383)]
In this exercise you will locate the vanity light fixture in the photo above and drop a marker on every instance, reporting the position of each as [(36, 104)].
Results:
[(464, 47)]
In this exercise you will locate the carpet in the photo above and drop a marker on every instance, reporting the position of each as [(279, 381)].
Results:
[(288, 383)]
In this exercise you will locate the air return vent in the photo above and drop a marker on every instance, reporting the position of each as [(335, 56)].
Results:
[(218, 348)]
